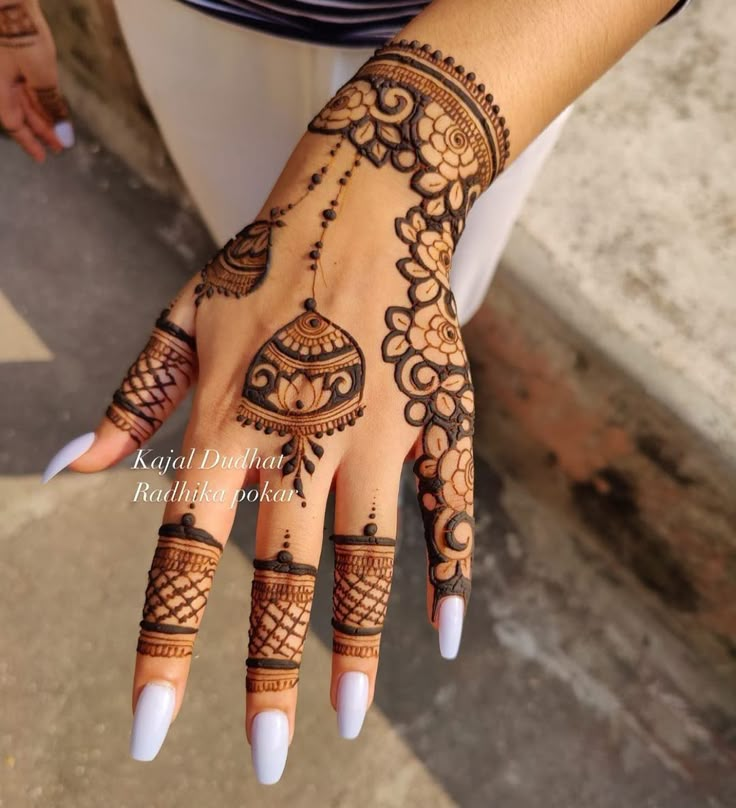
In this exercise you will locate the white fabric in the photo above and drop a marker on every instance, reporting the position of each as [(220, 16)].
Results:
[(232, 103)]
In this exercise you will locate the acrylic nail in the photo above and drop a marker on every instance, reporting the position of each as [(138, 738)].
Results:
[(68, 454), (65, 133), (352, 703), (269, 736), (452, 612), (151, 721)]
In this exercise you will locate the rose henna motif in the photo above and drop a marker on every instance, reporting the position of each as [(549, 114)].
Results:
[(305, 382), (428, 116)]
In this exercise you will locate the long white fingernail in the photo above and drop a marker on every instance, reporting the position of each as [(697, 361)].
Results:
[(352, 703), (65, 132), (269, 736), (452, 611), (68, 454), (151, 721)]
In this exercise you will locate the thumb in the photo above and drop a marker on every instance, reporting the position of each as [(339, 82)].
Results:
[(153, 387)]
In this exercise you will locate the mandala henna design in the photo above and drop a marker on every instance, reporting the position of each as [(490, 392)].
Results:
[(281, 600), (179, 583), (17, 28), (305, 382), (423, 114), (363, 573), (145, 397)]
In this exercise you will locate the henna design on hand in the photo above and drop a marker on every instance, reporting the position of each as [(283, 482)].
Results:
[(281, 601), (363, 574), (179, 584), (17, 28), (305, 382), (166, 364), (421, 113), (53, 104)]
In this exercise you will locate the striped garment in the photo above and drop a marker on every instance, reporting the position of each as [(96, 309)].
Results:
[(359, 23)]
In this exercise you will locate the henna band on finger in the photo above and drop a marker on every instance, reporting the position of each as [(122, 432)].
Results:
[(363, 574), (281, 602), (17, 29), (179, 584), (152, 387)]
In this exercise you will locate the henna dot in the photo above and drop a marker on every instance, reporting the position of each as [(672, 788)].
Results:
[(340, 428), (316, 179), (192, 505), (310, 304), (282, 211), (449, 60), (274, 212), (343, 181), (489, 98), (460, 69), (300, 404), (415, 43), (370, 530), (286, 544), (403, 42), (247, 421), (502, 121), (495, 109), (314, 254), (258, 426), (188, 519), (310, 187), (240, 418), (360, 412), (279, 223), (333, 202), (481, 88), (437, 55), (506, 133), (329, 214), (371, 515), (330, 431), (313, 267), (281, 433), (290, 206), (318, 245), (319, 435), (304, 504), (426, 48), (348, 173), (471, 76), (268, 430), (284, 557)]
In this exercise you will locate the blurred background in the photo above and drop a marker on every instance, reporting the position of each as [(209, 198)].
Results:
[(599, 656)]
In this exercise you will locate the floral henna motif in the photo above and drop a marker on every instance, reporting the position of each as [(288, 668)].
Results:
[(363, 573), (155, 382), (52, 103), (179, 584), (17, 29), (281, 601), (305, 382), (426, 115)]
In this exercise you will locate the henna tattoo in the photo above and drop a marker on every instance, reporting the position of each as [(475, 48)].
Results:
[(410, 107), (52, 103), (179, 584), (17, 28), (363, 574), (281, 601), (155, 381), (305, 382)]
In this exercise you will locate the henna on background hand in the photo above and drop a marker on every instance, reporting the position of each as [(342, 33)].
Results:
[(166, 364), (418, 111), (17, 28), (305, 382), (179, 584), (363, 573), (52, 102), (281, 600)]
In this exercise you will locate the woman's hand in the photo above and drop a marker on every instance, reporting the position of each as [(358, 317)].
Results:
[(32, 109), (324, 339)]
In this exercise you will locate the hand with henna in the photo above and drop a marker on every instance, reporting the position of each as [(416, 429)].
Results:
[(324, 335), (32, 109)]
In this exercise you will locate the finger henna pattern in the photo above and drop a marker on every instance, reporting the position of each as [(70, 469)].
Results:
[(281, 601), (305, 382), (52, 103), (179, 584), (155, 382), (363, 573), (17, 29), (418, 111)]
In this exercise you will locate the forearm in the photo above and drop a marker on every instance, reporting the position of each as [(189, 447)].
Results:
[(535, 56)]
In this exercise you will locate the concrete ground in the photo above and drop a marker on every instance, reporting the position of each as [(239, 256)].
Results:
[(569, 691), (630, 231)]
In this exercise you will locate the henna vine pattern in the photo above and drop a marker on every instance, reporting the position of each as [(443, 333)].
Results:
[(179, 584), (422, 113), (17, 28), (155, 382), (363, 574), (305, 382), (281, 601)]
